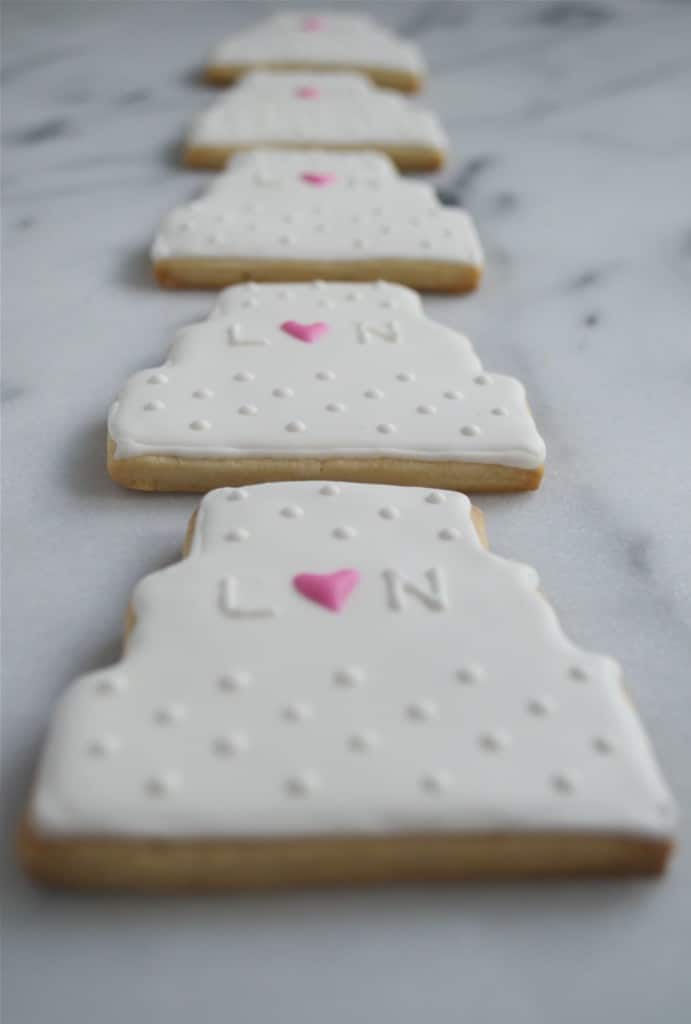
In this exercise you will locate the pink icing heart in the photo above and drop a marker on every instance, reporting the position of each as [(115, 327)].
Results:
[(307, 92), (313, 24), (304, 332), (329, 589), (313, 178)]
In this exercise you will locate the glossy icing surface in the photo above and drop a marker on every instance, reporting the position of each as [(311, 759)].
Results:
[(317, 107), (442, 696), (328, 38), (324, 370), (264, 206)]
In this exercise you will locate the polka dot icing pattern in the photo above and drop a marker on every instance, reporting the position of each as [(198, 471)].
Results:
[(343, 109), (338, 39), (242, 214), (279, 398), (314, 299), (226, 726)]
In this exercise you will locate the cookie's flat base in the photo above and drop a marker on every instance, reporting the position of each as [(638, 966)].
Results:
[(388, 78), (345, 860), (406, 158), (177, 473), (208, 272)]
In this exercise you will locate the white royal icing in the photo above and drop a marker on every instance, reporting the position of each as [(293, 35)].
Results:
[(261, 207), (319, 296), (442, 697), (380, 381), (311, 38), (321, 108)]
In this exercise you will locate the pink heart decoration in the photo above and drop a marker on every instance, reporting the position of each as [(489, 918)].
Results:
[(307, 92), (330, 589), (313, 24), (313, 178), (304, 332)]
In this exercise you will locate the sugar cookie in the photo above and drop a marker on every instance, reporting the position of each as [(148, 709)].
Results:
[(317, 380), (278, 215), (318, 110), (340, 684), (327, 42)]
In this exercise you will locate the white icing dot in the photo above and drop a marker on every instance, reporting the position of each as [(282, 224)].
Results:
[(602, 745), (107, 685), (203, 393), (154, 406), (249, 303), (297, 711), (292, 512), (499, 411), (325, 375), (351, 675), (200, 425), (435, 783), (563, 784), (232, 682), (578, 673), (330, 490), (427, 410), (243, 376), (407, 376), (541, 706), (449, 533), (286, 239), (296, 427), (425, 243), (359, 243), (470, 430), (335, 407), (163, 784), (435, 498), (169, 714), (302, 784), (422, 710), (389, 512), (495, 740), (104, 746), (363, 742), (248, 410), (374, 393), (482, 379), (470, 674), (283, 392), (240, 494), (230, 744), (387, 428), (157, 378), (344, 533), (453, 395), (239, 533)]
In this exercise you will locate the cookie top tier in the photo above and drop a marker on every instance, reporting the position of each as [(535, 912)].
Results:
[(440, 697)]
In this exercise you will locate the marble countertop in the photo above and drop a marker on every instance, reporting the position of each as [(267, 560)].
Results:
[(572, 148)]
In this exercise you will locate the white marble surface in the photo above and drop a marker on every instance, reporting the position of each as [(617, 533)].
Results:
[(572, 147)]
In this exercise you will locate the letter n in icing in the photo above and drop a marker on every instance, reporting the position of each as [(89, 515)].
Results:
[(231, 605), (432, 594), (387, 331)]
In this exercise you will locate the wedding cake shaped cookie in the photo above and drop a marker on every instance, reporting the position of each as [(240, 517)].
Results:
[(327, 42), (340, 684), (322, 380), (297, 215), (340, 111)]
